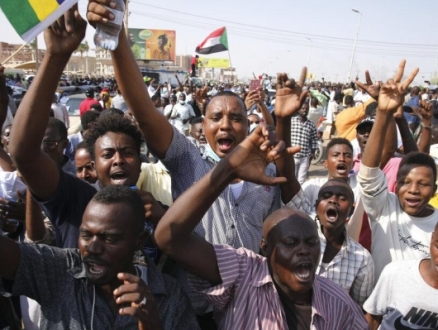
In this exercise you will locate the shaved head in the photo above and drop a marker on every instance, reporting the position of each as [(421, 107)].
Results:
[(284, 214)]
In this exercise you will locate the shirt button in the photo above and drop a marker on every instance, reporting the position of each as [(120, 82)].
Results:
[(232, 226)]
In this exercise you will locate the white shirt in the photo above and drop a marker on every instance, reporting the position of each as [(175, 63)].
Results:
[(395, 234), (182, 112), (118, 102)]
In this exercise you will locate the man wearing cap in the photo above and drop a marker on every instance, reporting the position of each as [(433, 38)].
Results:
[(88, 102)]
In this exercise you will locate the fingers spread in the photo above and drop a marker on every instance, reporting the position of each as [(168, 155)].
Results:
[(400, 71), (368, 78), (303, 77), (410, 78)]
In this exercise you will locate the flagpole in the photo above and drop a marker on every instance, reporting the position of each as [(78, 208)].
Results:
[(231, 66)]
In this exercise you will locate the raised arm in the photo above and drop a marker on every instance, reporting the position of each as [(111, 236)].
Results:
[(289, 99), (38, 170), (154, 126), (409, 144), (390, 98), (173, 234), (426, 111)]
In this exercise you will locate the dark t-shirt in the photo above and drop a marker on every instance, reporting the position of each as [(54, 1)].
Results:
[(298, 317), (66, 207)]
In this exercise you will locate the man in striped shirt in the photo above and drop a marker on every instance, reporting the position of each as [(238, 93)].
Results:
[(278, 290)]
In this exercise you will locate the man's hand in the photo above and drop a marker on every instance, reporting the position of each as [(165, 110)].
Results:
[(251, 99), (372, 89), (136, 294), (399, 113), (12, 210), (290, 96), (97, 13), (425, 111), (250, 158), (153, 210), (392, 93), (65, 35)]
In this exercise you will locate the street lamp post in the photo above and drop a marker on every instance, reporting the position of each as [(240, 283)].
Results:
[(355, 43)]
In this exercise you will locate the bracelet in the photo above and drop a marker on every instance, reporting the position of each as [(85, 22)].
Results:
[(426, 127)]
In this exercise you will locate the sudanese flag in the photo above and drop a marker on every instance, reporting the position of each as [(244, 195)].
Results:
[(216, 42)]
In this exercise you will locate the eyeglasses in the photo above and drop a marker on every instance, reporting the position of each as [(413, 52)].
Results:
[(50, 145)]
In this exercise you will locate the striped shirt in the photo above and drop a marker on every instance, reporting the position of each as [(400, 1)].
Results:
[(248, 299), (352, 268)]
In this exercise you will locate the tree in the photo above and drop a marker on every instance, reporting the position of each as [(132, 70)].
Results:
[(83, 48)]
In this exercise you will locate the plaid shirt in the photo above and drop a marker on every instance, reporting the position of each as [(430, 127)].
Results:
[(303, 135), (352, 268)]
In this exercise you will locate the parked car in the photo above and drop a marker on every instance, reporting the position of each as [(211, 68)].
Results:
[(72, 104)]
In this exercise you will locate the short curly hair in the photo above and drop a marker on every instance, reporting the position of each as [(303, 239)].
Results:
[(112, 123)]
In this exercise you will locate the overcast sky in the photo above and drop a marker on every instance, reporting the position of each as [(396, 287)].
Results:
[(271, 36)]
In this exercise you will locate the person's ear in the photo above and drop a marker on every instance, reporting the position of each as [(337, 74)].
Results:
[(141, 240), (264, 248), (325, 164), (93, 165)]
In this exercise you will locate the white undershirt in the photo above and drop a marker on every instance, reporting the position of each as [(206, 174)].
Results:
[(236, 189)]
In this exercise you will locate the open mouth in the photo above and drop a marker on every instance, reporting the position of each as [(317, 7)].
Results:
[(304, 271), (331, 215), (96, 269), (413, 202), (342, 169), (225, 144), (119, 177), (203, 140)]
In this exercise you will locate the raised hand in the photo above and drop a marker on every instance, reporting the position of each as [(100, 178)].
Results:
[(135, 292), (65, 35), (250, 158), (153, 210), (290, 96), (372, 89), (392, 93), (251, 99), (425, 111), (97, 13)]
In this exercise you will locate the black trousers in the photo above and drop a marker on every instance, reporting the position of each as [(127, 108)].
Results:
[(193, 70)]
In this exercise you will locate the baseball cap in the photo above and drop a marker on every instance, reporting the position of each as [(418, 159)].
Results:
[(89, 92), (365, 122)]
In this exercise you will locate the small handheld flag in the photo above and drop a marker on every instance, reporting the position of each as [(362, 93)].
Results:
[(30, 17)]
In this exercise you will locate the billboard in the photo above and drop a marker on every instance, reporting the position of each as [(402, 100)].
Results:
[(218, 63), (154, 45)]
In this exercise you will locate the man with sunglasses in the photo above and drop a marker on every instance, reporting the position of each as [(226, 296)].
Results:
[(54, 142)]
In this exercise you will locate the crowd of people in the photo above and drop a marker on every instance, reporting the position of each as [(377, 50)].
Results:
[(190, 207)]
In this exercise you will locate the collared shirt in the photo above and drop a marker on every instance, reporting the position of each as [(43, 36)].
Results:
[(248, 299), (60, 112), (228, 221), (236, 222), (56, 279), (73, 141), (303, 135), (352, 268)]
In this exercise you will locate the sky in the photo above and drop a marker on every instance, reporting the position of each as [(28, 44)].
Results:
[(285, 35)]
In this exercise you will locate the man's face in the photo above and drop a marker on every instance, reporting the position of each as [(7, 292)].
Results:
[(107, 241), (5, 138), (173, 100), (304, 111), (415, 187), (253, 119), (334, 203), (225, 124), (182, 97), (117, 161), (53, 145), (362, 134), (319, 87), (339, 161), (198, 133), (293, 252), (84, 168)]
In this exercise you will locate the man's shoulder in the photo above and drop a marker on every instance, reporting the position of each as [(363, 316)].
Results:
[(325, 291)]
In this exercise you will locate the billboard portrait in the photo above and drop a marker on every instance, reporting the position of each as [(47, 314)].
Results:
[(154, 45)]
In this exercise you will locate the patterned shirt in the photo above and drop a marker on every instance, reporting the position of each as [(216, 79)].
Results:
[(56, 279), (248, 299), (303, 135), (352, 268), (228, 221)]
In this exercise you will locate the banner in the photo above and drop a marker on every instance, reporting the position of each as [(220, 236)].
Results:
[(154, 45), (217, 63)]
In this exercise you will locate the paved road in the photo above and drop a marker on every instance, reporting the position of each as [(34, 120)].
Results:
[(318, 169)]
